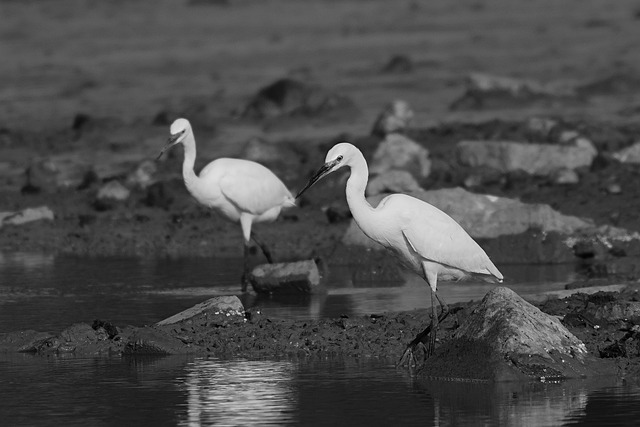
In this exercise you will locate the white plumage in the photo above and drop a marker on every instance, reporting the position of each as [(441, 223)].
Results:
[(421, 236), (240, 190)]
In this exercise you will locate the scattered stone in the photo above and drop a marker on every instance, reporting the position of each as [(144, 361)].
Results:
[(504, 339), (286, 278), (62, 171), (113, 190), (217, 311), (26, 215), (398, 64), (630, 154), (566, 177), (397, 151), (488, 91), (392, 181), (395, 117), (535, 159), (289, 97), (614, 188)]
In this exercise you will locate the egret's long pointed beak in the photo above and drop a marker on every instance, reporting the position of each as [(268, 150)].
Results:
[(325, 170), (173, 140)]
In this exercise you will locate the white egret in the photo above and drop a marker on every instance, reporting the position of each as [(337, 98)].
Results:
[(239, 190), (425, 239)]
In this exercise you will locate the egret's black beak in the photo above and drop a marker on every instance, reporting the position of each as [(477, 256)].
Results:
[(173, 140), (325, 170)]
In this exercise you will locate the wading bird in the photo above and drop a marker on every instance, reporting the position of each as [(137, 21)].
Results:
[(425, 239), (239, 190)]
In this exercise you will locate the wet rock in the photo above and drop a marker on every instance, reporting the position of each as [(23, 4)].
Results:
[(397, 151), (290, 97), (22, 341), (535, 159), (143, 175), (504, 339), (392, 181), (630, 154), (26, 215), (395, 118), (489, 91), (285, 278), (398, 64), (612, 310), (155, 341), (217, 311)]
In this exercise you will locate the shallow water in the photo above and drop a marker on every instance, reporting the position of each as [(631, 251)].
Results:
[(186, 391), (49, 294)]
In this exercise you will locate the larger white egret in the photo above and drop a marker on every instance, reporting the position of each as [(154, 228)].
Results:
[(425, 239), (240, 190)]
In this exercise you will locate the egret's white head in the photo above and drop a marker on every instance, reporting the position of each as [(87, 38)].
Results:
[(179, 130), (340, 155)]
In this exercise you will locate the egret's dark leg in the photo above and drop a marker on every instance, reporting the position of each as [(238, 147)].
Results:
[(426, 338), (263, 247), (244, 280)]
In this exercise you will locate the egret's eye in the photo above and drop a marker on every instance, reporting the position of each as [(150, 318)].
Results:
[(339, 158)]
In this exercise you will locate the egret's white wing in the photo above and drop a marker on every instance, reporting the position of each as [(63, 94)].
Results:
[(252, 187), (436, 236)]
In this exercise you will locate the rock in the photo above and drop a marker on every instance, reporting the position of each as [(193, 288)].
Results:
[(395, 117), (22, 341), (614, 188), (290, 97), (629, 154), (620, 83), (392, 181), (505, 339), (26, 215), (217, 311), (63, 171), (566, 177), (114, 191), (143, 175), (488, 91), (155, 341), (399, 152), (535, 159), (398, 64), (286, 278)]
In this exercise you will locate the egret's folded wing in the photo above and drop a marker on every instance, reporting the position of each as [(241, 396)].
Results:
[(253, 190)]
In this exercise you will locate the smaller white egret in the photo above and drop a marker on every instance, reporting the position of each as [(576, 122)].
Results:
[(239, 190), (425, 239)]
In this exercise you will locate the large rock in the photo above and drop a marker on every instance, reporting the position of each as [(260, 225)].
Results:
[(26, 215), (395, 118), (286, 278), (504, 339), (397, 151), (217, 311), (62, 171), (484, 216), (535, 159)]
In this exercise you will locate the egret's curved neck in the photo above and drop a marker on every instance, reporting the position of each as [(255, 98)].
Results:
[(356, 184), (189, 144)]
